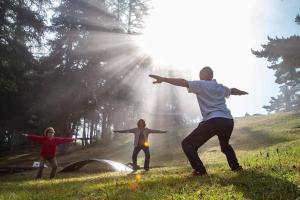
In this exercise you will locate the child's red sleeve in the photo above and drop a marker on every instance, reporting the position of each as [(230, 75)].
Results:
[(35, 137), (61, 140)]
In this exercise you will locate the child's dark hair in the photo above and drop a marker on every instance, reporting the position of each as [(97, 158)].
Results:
[(141, 121)]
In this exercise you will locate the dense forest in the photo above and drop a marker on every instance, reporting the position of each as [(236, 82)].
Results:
[(49, 74), (58, 67)]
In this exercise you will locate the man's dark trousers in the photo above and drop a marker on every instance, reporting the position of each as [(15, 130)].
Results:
[(222, 127), (135, 153)]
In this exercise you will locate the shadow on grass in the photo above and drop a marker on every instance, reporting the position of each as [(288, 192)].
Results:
[(252, 184), (257, 185), (249, 139)]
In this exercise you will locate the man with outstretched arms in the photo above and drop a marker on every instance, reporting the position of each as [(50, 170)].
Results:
[(217, 119)]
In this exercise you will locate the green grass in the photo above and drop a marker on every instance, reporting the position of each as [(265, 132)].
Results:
[(272, 171)]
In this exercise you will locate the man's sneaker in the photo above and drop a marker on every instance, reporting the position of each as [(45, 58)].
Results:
[(197, 173), (238, 169)]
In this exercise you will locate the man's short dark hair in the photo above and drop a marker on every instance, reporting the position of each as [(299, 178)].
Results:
[(208, 71)]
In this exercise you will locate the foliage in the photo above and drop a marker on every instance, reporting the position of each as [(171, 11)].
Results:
[(22, 28), (131, 13), (70, 87), (284, 56)]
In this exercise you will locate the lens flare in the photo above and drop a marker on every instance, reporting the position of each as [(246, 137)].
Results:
[(133, 186), (146, 144), (138, 177)]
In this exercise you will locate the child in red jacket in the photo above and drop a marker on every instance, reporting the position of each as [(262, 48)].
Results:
[(48, 149)]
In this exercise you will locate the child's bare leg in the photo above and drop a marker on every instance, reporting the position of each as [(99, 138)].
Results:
[(41, 167)]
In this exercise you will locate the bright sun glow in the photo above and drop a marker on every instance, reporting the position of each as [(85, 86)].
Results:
[(186, 34)]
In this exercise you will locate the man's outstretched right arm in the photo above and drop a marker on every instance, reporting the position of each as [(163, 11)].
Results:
[(172, 81), (234, 91)]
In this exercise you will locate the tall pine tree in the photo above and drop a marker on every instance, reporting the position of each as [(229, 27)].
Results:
[(284, 56)]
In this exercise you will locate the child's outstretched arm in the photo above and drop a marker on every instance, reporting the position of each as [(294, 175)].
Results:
[(155, 131), (234, 91), (61, 140), (172, 81), (32, 137), (125, 131)]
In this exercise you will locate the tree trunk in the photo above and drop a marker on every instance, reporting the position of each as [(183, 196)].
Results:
[(105, 133), (119, 10), (91, 131), (129, 16), (83, 133), (12, 140)]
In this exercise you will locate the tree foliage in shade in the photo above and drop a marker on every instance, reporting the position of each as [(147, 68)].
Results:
[(284, 56), (21, 29), (297, 20)]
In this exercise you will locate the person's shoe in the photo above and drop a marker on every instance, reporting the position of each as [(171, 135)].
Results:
[(238, 169), (134, 169), (198, 173)]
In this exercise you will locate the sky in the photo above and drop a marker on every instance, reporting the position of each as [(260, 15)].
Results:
[(185, 36)]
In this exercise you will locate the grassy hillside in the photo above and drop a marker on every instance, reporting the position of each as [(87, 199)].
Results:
[(267, 146)]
